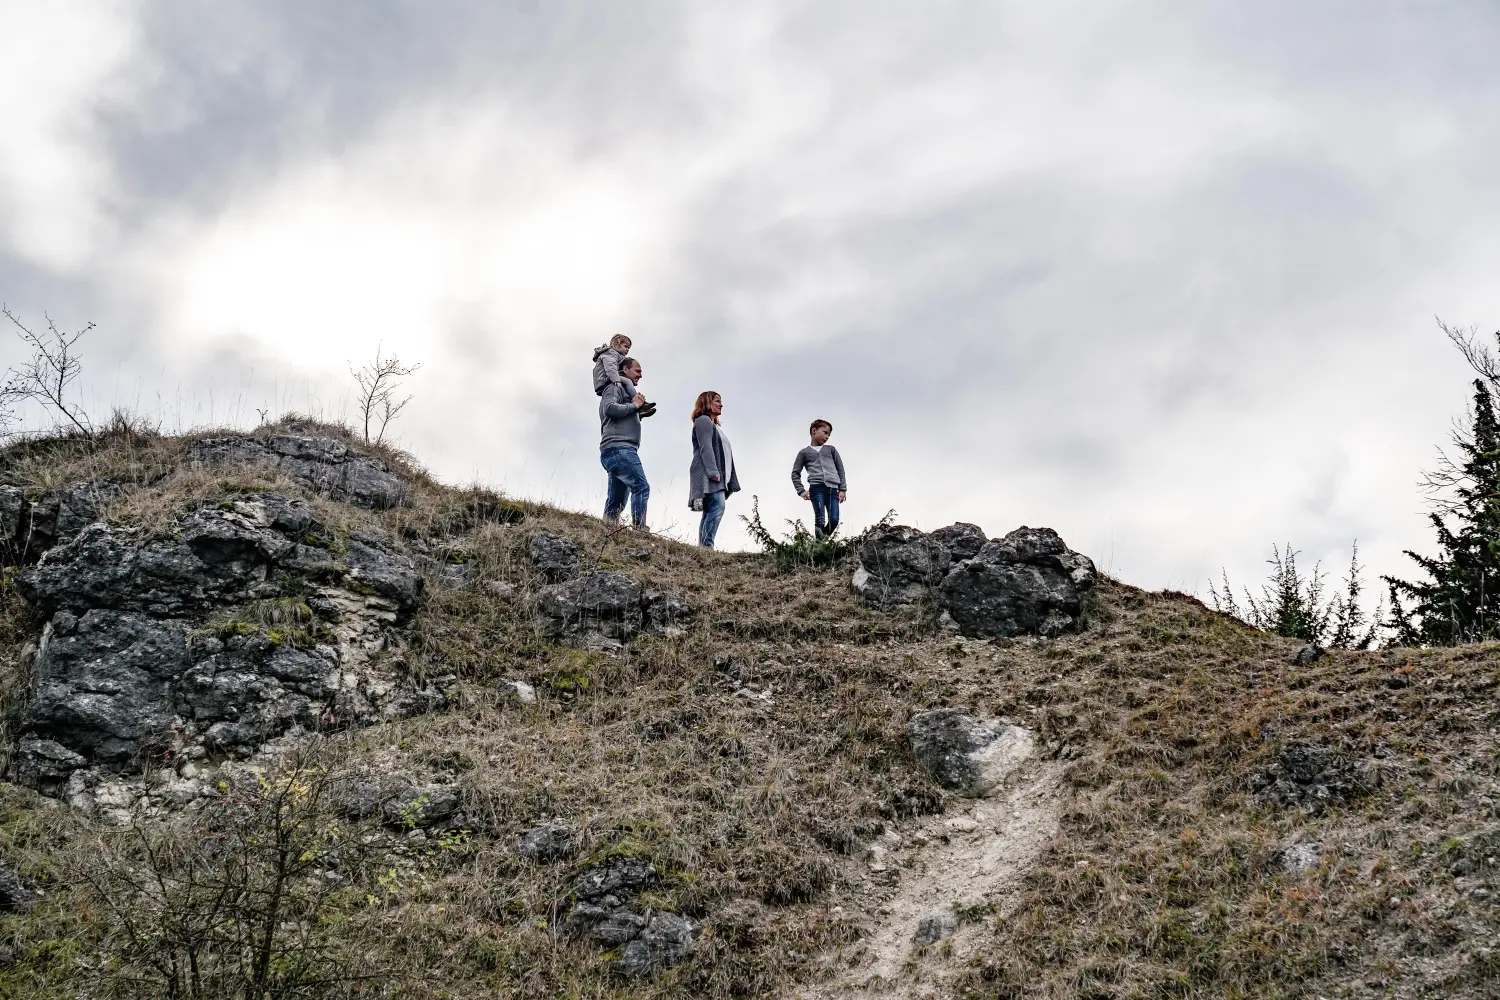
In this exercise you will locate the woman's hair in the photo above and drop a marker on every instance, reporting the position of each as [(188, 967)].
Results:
[(705, 400)]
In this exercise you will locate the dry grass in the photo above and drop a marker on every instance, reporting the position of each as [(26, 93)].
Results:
[(1162, 882)]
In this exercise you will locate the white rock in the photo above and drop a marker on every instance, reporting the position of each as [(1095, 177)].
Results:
[(962, 824), (523, 691)]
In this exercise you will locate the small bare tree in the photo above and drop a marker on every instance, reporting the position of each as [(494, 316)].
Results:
[(53, 367), (378, 383)]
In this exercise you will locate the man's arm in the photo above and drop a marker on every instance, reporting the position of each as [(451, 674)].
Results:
[(703, 434), (838, 463), (797, 467), (621, 408)]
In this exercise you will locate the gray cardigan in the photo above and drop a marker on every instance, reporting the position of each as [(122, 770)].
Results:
[(708, 460), (825, 469), (619, 419)]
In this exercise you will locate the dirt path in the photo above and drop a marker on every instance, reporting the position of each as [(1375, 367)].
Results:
[(955, 874)]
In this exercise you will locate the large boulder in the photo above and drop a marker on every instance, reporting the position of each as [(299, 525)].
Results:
[(897, 565), (964, 754), (614, 605), (1027, 583), (132, 667), (961, 539), (320, 463)]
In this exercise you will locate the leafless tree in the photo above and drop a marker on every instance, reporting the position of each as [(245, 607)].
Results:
[(53, 367), (378, 383)]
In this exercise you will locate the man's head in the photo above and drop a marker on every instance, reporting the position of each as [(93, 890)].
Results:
[(820, 430), (620, 342), (631, 369)]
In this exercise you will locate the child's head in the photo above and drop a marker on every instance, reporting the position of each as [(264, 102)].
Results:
[(820, 430), (620, 342)]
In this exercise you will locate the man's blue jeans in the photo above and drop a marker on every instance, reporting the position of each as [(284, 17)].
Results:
[(713, 513), (626, 479), (825, 501)]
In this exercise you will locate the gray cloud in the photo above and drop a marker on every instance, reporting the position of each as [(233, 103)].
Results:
[(1161, 278)]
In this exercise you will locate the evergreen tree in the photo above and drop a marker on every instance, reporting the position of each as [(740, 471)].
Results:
[(1292, 604), (1460, 601)]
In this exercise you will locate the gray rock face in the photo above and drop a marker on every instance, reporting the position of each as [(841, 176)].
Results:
[(125, 671), (556, 559), (962, 540), (610, 604), (898, 564), (964, 754), (546, 843), (27, 529), (319, 463), (649, 942), (221, 555), (14, 895), (1027, 583), (421, 807)]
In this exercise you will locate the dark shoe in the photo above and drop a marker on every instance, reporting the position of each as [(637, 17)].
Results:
[(647, 410)]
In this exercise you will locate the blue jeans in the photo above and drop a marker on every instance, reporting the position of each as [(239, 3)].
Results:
[(713, 513), (626, 478), (825, 501)]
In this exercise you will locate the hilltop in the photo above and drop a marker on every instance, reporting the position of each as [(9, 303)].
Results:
[(285, 713)]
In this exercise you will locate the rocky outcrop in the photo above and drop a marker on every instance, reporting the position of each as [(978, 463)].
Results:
[(1310, 777), (320, 463), (649, 941), (1027, 583), (28, 528), (614, 605), (898, 564), (547, 842), (964, 754), (132, 668), (556, 559)]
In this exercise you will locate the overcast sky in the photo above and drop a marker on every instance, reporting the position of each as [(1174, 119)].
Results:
[(1162, 276)]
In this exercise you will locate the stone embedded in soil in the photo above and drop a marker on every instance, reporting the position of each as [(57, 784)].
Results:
[(547, 842), (1308, 776), (649, 941), (556, 559), (609, 604), (421, 807), (1307, 654), (898, 564), (964, 754), (934, 927), (320, 463), (15, 896), (1027, 583)]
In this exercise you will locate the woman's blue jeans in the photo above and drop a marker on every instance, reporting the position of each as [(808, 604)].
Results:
[(713, 513), (626, 478)]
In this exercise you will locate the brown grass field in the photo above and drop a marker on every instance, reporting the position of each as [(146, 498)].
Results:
[(1165, 878)]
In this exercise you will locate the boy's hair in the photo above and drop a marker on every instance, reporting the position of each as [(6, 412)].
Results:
[(620, 341), (820, 422)]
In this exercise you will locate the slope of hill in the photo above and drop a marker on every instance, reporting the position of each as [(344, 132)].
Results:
[(387, 760)]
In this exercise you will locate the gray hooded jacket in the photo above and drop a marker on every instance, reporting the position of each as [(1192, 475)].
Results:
[(606, 368), (619, 420)]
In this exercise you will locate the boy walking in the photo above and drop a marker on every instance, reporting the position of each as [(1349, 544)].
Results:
[(826, 485)]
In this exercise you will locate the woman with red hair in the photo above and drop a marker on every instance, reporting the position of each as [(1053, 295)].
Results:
[(712, 477)]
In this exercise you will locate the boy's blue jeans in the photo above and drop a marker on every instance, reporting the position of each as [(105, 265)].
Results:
[(825, 501), (713, 513), (626, 478)]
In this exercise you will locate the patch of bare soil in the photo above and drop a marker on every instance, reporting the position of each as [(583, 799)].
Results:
[(937, 888)]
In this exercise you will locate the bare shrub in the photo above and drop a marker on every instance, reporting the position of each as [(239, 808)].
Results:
[(257, 895), (54, 366), (378, 383)]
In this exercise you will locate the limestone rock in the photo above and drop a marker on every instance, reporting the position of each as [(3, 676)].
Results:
[(15, 896), (556, 559), (546, 843), (320, 463), (665, 940), (1308, 776), (897, 564), (934, 927), (962, 540), (648, 942), (964, 754), (609, 604), (1307, 654), (421, 806), (1027, 583)]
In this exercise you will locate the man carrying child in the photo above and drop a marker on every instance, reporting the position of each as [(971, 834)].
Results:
[(826, 485)]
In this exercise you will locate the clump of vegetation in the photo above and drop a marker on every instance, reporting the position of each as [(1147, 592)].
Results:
[(49, 374), (1298, 606), (802, 548)]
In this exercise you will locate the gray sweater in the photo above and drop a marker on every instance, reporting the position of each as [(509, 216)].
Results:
[(824, 468), (708, 461), (619, 420)]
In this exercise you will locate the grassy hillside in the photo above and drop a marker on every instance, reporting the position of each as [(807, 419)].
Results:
[(1179, 868)]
